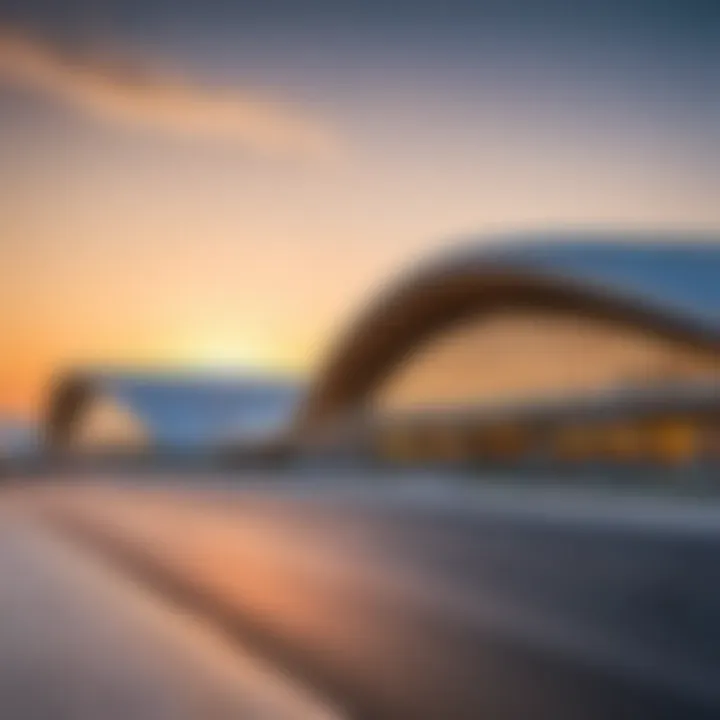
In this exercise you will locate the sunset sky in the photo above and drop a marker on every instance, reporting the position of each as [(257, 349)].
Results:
[(207, 182)]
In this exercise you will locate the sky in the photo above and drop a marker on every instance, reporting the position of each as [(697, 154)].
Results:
[(202, 183)]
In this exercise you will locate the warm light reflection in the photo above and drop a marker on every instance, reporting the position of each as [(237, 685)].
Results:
[(531, 356)]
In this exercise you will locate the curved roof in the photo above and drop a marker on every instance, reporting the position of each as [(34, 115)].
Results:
[(669, 285), (178, 410)]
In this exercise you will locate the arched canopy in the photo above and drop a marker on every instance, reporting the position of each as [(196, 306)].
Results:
[(667, 286), (177, 410)]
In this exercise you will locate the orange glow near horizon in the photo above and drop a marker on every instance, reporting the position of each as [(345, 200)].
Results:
[(135, 243), (26, 378)]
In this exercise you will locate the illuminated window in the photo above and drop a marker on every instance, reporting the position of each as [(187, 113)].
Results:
[(675, 441)]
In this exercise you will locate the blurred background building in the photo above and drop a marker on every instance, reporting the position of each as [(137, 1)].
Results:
[(594, 351), (130, 415)]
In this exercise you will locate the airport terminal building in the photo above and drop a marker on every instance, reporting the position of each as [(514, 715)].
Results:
[(588, 350), (125, 414), (540, 351)]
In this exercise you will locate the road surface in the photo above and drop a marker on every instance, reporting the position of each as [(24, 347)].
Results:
[(397, 603), (80, 641)]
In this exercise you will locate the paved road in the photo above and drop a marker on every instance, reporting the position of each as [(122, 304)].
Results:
[(439, 603), (79, 641)]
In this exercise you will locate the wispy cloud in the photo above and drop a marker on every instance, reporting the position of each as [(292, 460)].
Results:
[(160, 102)]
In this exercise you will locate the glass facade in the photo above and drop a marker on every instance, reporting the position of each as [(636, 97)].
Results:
[(540, 388), (524, 357)]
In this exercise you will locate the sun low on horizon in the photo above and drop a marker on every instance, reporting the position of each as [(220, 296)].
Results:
[(225, 187)]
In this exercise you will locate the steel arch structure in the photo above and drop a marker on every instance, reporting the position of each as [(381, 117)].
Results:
[(665, 286)]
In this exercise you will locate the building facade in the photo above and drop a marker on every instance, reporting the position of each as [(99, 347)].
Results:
[(589, 351)]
